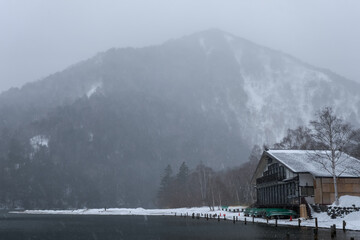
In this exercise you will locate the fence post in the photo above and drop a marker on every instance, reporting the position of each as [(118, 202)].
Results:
[(344, 225), (333, 231), (299, 222), (316, 223), (275, 222), (315, 234), (253, 219)]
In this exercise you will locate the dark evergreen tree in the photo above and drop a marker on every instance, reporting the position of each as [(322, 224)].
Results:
[(166, 178), (183, 174), (165, 191), (181, 196)]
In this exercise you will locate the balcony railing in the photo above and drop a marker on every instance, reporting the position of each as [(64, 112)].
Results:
[(270, 178)]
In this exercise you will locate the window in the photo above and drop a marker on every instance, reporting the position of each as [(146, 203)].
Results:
[(307, 191)]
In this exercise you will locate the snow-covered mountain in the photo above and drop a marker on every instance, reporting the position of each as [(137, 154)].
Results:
[(280, 91), (127, 113), (264, 91)]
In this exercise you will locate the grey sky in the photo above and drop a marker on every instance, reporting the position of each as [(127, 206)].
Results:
[(41, 37)]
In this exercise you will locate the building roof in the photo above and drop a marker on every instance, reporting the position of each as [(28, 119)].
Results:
[(306, 161)]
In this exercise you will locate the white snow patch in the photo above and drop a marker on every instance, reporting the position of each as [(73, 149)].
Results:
[(139, 211), (274, 79), (39, 141), (352, 220), (94, 88), (206, 48), (123, 211), (348, 201), (255, 97), (91, 137)]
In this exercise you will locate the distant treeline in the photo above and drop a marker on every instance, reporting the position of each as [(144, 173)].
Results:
[(203, 186)]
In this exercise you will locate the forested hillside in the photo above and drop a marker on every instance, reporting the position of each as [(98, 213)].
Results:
[(100, 132)]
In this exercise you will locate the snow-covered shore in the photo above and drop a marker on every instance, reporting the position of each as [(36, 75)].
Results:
[(124, 211), (324, 221)]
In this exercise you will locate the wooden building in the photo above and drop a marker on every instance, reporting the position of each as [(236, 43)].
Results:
[(288, 178)]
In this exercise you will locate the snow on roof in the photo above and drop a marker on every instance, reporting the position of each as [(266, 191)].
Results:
[(301, 161)]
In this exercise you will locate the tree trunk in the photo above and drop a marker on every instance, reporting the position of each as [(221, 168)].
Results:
[(336, 191), (334, 178), (213, 201)]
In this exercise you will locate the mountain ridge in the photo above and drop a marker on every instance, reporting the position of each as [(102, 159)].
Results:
[(68, 85), (209, 96)]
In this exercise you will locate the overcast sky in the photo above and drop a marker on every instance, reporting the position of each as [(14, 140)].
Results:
[(38, 38)]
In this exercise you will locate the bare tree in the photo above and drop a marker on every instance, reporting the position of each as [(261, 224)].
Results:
[(354, 146), (299, 138), (204, 175), (332, 135)]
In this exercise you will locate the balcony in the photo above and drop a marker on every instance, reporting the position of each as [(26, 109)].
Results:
[(270, 178)]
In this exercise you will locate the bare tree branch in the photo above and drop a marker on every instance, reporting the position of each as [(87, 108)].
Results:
[(333, 135)]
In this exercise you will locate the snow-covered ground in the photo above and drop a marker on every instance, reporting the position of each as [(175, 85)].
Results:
[(324, 221), (124, 211), (348, 201)]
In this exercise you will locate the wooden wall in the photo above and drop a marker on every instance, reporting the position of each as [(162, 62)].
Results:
[(324, 189)]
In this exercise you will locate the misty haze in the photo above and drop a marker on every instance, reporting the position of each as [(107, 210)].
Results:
[(166, 109)]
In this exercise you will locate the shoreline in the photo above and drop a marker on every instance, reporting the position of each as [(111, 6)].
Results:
[(324, 221)]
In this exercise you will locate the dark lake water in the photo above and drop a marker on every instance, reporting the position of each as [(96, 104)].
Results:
[(31, 227)]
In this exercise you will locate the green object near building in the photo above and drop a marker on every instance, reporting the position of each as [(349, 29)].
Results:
[(270, 212), (224, 207)]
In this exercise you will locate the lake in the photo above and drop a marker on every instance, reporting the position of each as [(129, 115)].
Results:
[(88, 227)]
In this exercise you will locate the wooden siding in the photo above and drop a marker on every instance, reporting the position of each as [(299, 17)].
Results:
[(324, 189)]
